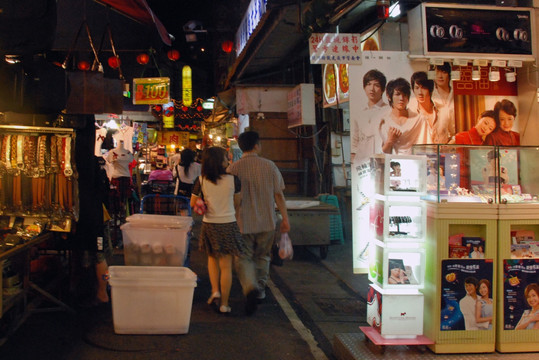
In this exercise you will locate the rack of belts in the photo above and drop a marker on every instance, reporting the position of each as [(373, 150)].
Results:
[(37, 173)]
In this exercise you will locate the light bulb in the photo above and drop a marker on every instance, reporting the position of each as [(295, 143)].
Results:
[(510, 75), (476, 73), (494, 74)]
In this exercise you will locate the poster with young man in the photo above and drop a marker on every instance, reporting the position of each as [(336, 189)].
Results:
[(466, 295), (521, 294), (370, 107)]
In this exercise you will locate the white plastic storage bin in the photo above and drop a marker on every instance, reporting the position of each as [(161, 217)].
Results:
[(156, 240), (151, 299)]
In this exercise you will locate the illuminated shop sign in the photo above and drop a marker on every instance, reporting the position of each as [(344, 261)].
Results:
[(252, 17), (187, 86)]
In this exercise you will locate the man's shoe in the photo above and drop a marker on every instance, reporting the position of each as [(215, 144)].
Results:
[(251, 302)]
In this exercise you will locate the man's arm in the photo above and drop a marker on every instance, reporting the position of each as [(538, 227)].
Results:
[(281, 205)]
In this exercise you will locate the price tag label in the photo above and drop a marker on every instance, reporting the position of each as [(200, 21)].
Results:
[(151, 91)]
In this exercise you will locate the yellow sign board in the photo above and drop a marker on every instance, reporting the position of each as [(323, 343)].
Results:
[(187, 86), (151, 91), (176, 138)]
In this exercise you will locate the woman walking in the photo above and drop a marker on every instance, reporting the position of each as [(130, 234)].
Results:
[(185, 173), (220, 236)]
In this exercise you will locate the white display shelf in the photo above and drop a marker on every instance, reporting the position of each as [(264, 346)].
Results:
[(399, 269), (398, 221), (399, 175)]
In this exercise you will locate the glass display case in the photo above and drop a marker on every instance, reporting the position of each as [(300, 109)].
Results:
[(519, 179), (460, 173)]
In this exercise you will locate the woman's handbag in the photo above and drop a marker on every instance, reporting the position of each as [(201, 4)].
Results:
[(200, 207)]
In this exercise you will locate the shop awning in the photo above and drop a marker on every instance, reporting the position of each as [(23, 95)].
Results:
[(139, 10)]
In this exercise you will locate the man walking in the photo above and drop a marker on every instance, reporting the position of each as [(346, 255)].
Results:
[(262, 188)]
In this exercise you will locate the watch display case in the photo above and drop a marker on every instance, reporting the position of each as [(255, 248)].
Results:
[(396, 253), (398, 175), (397, 268), (398, 221)]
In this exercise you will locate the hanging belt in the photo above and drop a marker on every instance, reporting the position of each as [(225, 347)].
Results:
[(54, 157)]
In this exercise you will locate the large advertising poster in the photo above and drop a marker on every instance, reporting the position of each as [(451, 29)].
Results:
[(396, 103), (521, 294), (466, 295)]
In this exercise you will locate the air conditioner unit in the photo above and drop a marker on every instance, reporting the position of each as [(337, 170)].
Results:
[(472, 31)]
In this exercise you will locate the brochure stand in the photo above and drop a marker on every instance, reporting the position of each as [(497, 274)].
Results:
[(518, 275), (448, 306)]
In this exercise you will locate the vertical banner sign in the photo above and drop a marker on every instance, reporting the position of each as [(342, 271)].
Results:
[(187, 86), (151, 91)]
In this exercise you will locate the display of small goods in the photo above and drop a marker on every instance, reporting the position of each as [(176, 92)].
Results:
[(466, 298), (16, 230), (400, 273), (523, 244), (37, 172), (466, 247), (520, 294)]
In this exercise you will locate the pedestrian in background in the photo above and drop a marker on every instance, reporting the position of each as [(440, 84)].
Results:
[(185, 173), (262, 188), (220, 236)]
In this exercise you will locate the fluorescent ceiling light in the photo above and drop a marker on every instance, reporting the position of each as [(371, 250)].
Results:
[(395, 10)]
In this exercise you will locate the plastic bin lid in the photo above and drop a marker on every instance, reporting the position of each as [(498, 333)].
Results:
[(152, 220), (154, 273)]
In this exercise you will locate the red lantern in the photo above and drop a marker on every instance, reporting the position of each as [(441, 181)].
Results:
[(173, 54), (114, 62), (83, 65), (227, 46), (199, 108), (158, 108), (184, 108), (143, 59)]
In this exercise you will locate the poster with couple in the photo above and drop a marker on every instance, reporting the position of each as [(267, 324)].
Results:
[(521, 294), (396, 103), (466, 295)]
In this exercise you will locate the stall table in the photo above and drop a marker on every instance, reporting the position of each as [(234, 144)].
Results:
[(310, 223)]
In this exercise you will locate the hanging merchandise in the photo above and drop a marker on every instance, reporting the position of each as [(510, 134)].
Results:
[(85, 89), (113, 88), (37, 175)]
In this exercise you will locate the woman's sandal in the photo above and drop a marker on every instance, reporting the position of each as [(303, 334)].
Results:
[(214, 297), (225, 309)]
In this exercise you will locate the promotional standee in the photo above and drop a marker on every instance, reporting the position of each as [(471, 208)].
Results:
[(397, 257)]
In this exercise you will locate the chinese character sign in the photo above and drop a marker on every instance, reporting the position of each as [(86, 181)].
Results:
[(176, 138), (335, 49)]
